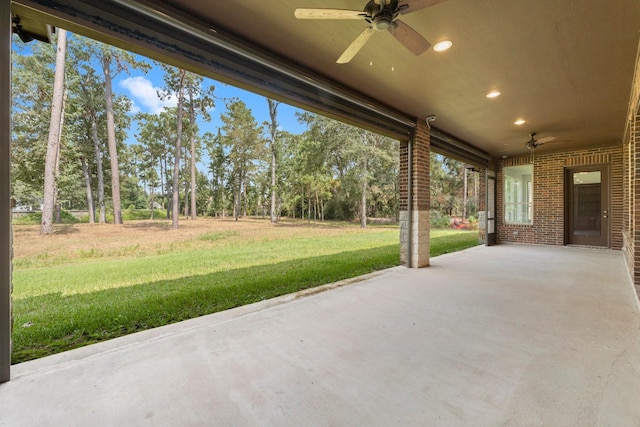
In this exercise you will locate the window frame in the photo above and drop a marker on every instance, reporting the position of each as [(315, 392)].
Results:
[(518, 194)]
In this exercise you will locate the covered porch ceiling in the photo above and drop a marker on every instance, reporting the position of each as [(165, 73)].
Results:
[(566, 67)]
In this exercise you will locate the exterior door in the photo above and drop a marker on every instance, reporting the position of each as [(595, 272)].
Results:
[(491, 211), (588, 206)]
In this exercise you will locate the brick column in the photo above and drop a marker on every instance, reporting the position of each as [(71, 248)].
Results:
[(414, 210), (635, 200), (5, 191)]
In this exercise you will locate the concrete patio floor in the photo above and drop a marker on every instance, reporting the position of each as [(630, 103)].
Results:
[(504, 336)]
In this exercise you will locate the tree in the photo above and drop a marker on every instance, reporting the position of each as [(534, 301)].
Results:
[(112, 61), (242, 137), (273, 131), (53, 141), (87, 125), (89, 91), (200, 100), (446, 185), (218, 168), (287, 177), (111, 139), (80, 140), (188, 88), (377, 155), (32, 81), (174, 80), (352, 159), (156, 134), (333, 147)]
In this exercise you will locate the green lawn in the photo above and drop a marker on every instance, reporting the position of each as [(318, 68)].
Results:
[(60, 307)]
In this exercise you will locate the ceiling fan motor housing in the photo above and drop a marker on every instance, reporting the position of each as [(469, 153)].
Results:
[(381, 16)]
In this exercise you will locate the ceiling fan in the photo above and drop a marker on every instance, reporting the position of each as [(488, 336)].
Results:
[(380, 15), (533, 143)]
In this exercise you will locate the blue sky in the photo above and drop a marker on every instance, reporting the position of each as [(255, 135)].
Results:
[(142, 89)]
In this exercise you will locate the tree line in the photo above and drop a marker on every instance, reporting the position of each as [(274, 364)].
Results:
[(71, 147)]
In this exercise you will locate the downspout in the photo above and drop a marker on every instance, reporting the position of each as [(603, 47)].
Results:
[(409, 200)]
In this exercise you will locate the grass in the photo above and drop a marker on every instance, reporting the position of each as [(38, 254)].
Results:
[(98, 294), (444, 241)]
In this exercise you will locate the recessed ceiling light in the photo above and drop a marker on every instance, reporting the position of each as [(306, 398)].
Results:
[(520, 122), (493, 94), (443, 45)]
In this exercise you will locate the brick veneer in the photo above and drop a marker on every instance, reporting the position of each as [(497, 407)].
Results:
[(631, 234), (421, 203), (548, 226)]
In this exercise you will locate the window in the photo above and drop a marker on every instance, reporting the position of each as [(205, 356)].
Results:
[(518, 194)]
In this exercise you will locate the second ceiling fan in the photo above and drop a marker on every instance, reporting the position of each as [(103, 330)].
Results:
[(381, 15)]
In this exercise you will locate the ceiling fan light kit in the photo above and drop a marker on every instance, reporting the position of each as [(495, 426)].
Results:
[(443, 45), (381, 15)]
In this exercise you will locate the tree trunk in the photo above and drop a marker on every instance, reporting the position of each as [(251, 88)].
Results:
[(244, 198), (309, 208), (236, 201), (164, 185), (186, 198), (237, 195), (53, 141), (111, 141), (316, 208), (363, 200), (58, 208), (96, 147), (192, 121), (152, 202), (273, 127), (274, 216), (464, 194), (176, 165), (87, 184), (224, 199), (58, 213)]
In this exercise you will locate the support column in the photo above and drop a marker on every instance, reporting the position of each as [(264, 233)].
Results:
[(5, 191), (415, 204), (635, 199)]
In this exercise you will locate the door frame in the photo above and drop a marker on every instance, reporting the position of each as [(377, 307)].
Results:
[(491, 204), (605, 182)]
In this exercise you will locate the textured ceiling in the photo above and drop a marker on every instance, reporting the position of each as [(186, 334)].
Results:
[(564, 66)]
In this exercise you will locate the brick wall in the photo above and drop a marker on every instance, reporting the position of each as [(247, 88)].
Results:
[(548, 226), (631, 230), (627, 220)]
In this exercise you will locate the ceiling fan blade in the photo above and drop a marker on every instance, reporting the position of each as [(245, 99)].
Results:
[(413, 5), (545, 140), (329, 14), (356, 45), (410, 38)]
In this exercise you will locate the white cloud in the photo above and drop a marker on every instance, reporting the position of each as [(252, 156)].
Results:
[(145, 95), (134, 108)]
